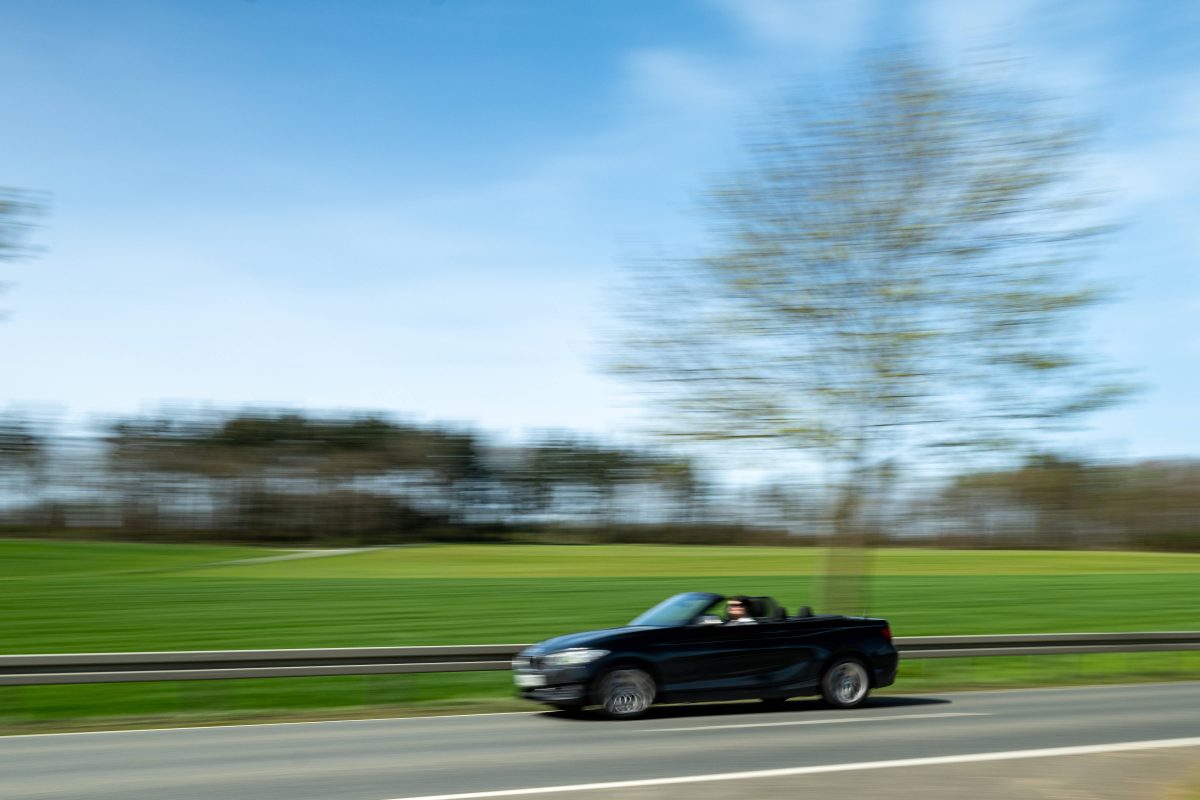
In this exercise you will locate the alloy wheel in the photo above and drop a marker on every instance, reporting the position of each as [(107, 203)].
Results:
[(848, 683), (626, 693)]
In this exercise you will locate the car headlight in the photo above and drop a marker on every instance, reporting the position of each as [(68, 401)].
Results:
[(573, 657)]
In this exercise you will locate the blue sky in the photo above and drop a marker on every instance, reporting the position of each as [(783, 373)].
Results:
[(422, 206)]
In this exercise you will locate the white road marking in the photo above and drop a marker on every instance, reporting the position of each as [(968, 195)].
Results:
[(226, 726), (1078, 687), (1006, 755), (352, 720), (815, 722)]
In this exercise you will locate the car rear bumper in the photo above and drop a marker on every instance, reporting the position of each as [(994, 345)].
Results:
[(884, 670)]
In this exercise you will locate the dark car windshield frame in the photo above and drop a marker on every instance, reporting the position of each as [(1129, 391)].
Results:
[(681, 609)]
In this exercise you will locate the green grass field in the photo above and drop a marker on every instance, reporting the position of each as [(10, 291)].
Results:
[(88, 597)]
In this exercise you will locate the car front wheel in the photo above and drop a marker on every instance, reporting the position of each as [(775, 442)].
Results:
[(625, 693), (846, 683)]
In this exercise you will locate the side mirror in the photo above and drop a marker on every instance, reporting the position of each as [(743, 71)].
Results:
[(709, 619)]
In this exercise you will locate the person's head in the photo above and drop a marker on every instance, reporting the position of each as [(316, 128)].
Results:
[(737, 607)]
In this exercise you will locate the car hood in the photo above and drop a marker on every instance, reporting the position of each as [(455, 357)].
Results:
[(584, 639)]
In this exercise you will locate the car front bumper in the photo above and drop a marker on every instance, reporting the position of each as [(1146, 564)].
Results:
[(562, 694), (556, 686)]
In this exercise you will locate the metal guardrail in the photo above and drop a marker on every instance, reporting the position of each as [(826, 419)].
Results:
[(197, 665), (1045, 644), (25, 670)]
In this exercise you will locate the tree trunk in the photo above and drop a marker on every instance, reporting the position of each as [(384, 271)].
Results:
[(846, 582)]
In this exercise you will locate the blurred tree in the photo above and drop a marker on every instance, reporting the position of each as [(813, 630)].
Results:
[(22, 459), (17, 212), (248, 470), (896, 267), (1050, 501), (1060, 498), (583, 475), (253, 461), (574, 478)]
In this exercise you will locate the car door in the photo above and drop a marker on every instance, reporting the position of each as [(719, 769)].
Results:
[(796, 653), (720, 659)]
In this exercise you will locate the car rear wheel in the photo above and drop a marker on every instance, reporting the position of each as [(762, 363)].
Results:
[(846, 683), (625, 693)]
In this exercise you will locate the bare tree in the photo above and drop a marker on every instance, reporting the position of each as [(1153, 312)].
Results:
[(17, 213), (895, 268)]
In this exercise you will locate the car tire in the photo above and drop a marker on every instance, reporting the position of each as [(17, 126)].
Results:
[(846, 683), (625, 693)]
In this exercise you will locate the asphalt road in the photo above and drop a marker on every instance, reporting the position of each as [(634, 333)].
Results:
[(1029, 743)]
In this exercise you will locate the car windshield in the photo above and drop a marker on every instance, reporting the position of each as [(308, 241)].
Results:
[(678, 610)]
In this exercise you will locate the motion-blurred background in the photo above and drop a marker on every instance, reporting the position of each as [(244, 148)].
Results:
[(303, 273), (316, 312)]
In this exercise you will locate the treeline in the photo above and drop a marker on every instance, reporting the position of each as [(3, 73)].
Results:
[(299, 478), (1056, 502)]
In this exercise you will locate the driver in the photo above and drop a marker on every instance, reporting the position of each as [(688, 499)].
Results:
[(737, 612)]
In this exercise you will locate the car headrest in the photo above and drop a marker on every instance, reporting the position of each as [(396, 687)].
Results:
[(805, 611), (780, 614)]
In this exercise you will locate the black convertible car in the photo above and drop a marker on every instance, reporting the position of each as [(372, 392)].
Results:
[(682, 650)]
